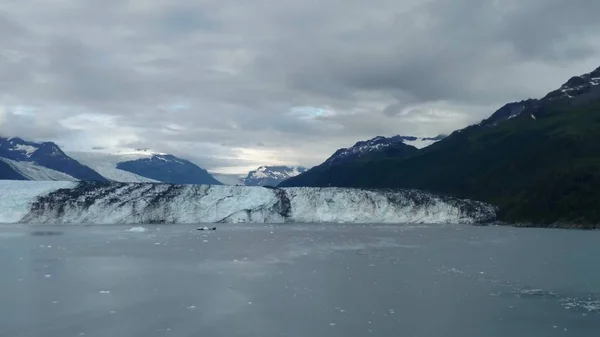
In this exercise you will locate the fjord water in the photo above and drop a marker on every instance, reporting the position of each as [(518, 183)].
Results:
[(298, 280)]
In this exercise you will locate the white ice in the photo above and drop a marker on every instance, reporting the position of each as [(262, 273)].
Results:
[(16, 197), (106, 165), (137, 230), (149, 203)]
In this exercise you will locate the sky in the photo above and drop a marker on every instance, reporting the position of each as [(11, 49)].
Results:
[(234, 84)]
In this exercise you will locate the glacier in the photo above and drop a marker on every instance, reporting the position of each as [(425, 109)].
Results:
[(17, 197), (106, 165), (33, 171), (147, 203)]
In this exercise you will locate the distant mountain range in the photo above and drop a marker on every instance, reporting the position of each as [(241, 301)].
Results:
[(537, 159), (26, 160)]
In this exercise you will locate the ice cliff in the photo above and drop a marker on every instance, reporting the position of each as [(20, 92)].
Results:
[(134, 203)]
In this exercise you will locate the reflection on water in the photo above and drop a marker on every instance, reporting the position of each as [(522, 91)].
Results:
[(46, 233)]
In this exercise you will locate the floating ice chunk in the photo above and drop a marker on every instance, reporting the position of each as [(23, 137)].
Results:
[(137, 230), (104, 291)]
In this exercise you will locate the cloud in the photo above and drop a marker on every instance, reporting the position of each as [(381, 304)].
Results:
[(232, 84)]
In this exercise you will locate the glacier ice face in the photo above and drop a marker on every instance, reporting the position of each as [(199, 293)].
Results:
[(17, 197), (127, 203)]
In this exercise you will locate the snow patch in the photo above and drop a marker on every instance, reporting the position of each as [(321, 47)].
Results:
[(27, 149), (419, 143)]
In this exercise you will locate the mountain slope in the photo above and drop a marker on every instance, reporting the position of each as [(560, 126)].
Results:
[(32, 171), (7, 172), (271, 175), (168, 169), (48, 155), (541, 166)]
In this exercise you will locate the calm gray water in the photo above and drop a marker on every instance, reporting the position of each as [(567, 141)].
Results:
[(300, 280)]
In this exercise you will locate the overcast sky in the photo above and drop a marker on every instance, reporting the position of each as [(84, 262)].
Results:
[(233, 84)]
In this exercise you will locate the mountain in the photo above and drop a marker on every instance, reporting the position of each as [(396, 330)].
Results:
[(538, 160), (169, 169), (509, 111), (271, 175), (46, 154), (379, 147), (372, 149)]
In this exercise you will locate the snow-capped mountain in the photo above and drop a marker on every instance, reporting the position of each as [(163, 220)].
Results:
[(169, 169), (271, 175), (380, 144), (577, 90), (577, 86), (61, 202), (41, 155)]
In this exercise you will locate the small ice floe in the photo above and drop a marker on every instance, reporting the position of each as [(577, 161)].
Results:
[(331, 324), (48, 276), (104, 291), (207, 229), (191, 307), (137, 230)]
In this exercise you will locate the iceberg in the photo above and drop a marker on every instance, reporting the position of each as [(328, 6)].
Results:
[(147, 203)]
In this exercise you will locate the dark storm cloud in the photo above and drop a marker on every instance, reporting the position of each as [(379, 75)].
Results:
[(233, 83)]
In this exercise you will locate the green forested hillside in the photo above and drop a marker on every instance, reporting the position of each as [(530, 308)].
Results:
[(543, 170)]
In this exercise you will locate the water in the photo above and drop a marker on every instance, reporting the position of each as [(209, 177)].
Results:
[(300, 280)]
